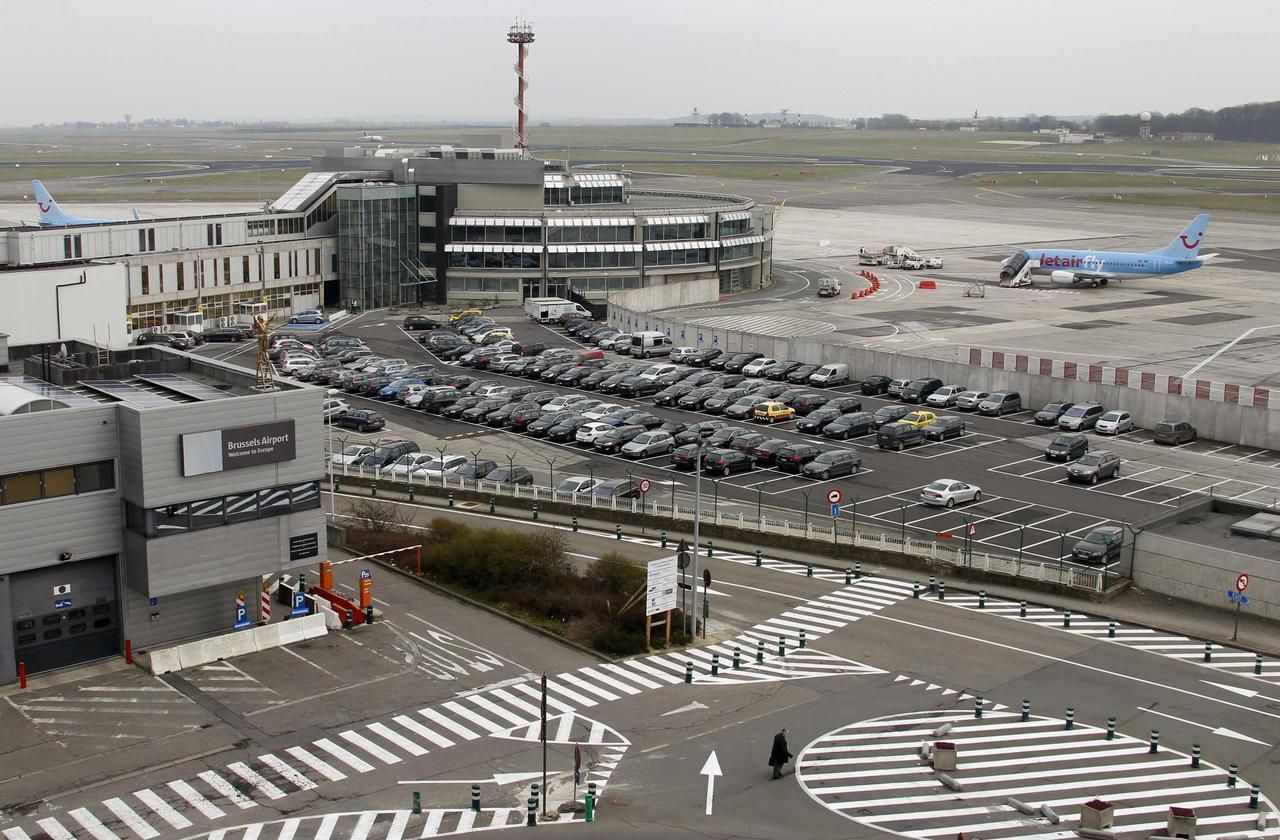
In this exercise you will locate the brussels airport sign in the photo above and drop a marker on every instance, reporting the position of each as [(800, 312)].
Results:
[(239, 446)]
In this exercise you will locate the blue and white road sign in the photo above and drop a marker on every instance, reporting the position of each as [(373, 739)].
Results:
[(835, 511), (1237, 596), (242, 617), (299, 604), (365, 574), (62, 604)]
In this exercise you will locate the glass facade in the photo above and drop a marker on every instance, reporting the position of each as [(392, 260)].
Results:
[(608, 233), (377, 244)]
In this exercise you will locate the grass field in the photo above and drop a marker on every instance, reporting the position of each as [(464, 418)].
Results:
[(764, 172), (1193, 200), (27, 172), (1123, 180)]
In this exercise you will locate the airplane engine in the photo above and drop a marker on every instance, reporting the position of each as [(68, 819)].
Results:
[(1063, 278)]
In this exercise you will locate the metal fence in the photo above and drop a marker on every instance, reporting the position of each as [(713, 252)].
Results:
[(1075, 577)]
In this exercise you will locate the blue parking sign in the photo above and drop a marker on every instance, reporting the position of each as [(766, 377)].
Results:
[(299, 603), (242, 618)]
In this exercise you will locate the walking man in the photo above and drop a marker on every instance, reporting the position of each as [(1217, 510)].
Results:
[(779, 755)]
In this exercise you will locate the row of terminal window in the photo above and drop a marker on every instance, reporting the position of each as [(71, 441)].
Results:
[(215, 512), (55, 482)]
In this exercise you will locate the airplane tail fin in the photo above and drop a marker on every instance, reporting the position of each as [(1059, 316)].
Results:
[(50, 212), (136, 217), (1186, 245)]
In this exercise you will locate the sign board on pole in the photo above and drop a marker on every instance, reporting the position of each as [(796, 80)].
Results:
[(242, 614), (645, 484), (660, 594), (835, 510), (1242, 583), (1237, 597), (299, 606), (365, 574), (834, 496)]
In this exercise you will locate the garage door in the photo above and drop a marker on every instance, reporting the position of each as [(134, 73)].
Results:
[(65, 614)]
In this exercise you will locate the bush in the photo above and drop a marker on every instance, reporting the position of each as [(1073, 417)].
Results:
[(618, 642), (616, 574)]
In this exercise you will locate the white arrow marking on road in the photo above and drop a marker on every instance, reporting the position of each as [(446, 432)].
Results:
[(1221, 730), (711, 769), (497, 778), (694, 706), (1243, 692)]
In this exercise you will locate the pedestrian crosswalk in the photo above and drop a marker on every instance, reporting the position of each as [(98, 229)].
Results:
[(874, 772), (1221, 659), (381, 825)]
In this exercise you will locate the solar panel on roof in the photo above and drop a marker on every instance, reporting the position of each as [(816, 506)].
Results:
[(125, 392), (182, 385), (49, 390)]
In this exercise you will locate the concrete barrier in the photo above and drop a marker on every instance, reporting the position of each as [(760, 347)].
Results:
[(163, 661), (228, 645), (314, 626)]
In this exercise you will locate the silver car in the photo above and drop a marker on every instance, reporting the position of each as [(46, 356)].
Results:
[(656, 442), (968, 401)]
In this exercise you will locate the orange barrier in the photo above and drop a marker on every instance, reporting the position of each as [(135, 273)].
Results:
[(342, 606), (927, 284)]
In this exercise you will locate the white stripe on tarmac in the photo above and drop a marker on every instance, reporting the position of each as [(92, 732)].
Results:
[(356, 739), (162, 809), (54, 829), (355, 763), (570, 694), (423, 732), (431, 827), (321, 766), (252, 832), (15, 834), (226, 789), (92, 824), (496, 709), (256, 779), (384, 731), (448, 723), (398, 824), (515, 702), (565, 730), (287, 772), (466, 821), (592, 673), (131, 818), (364, 825), (474, 717), (327, 824), (536, 694), (197, 800), (815, 615), (289, 828), (636, 665), (574, 680)]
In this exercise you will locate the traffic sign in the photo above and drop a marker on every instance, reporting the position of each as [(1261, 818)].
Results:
[(645, 484), (706, 578), (835, 510), (835, 496), (973, 530), (683, 559), (1242, 583), (365, 574), (1237, 597)]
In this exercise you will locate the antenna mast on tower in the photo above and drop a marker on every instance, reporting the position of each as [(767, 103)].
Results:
[(520, 34)]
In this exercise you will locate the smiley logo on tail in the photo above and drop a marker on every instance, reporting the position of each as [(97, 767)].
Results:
[(44, 208), (1191, 245)]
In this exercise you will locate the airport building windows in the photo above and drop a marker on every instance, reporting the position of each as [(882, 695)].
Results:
[(736, 252), (426, 203), (57, 481), (226, 271), (495, 234), (213, 233), (182, 277), (595, 195), (555, 196), (146, 239), (605, 283), (377, 244), (71, 247), (735, 227), (474, 260), (609, 233), (160, 271), (688, 256), (215, 512), (592, 260), (697, 230), (276, 258), (426, 235), (146, 279), (486, 284), (324, 212), (262, 227), (244, 269)]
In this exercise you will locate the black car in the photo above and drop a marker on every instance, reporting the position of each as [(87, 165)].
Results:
[(694, 400), (517, 415), (511, 475), (832, 463), (544, 422), (727, 461), (476, 468), (718, 402), (553, 372), (944, 427), (644, 418), (566, 430), (573, 376), (673, 427), (805, 403), (224, 334), (461, 405), (387, 452), (163, 339), (531, 349), (891, 413), (1101, 545), (727, 380), (362, 420), (595, 377), (800, 375), (778, 371), (771, 392), (1066, 447), (767, 450), (699, 378), (700, 431), (612, 441), (638, 387), (747, 443), (1048, 416), (671, 393), (873, 385), (478, 412), (705, 356), (812, 423), (685, 457), (671, 377), (792, 458), (610, 384), (918, 390), (616, 488), (722, 438), (738, 361), (743, 408), (853, 424), (419, 322)]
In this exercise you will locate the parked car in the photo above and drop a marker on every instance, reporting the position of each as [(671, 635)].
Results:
[(727, 461), (224, 334), (475, 468), (747, 443), (800, 376), (1066, 447), (700, 431), (1101, 545), (334, 407), (896, 387), (949, 492), (682, 354), (1114, 423), (756, 366), (945, 397), (419, 322), (1092, 467), (809, 401), (719, 401), (793, 457), (830, 375), (1001, 402), (919, 419), (944, 428), (833, 463), (779, 370), (478, 412), (890, 414), (1173, 432), (567, 430), (1081, 417), (638, 386), (765, 451), (970, 400), (897, 436), (410, 464), (648, 444), (813, 422), (918, 390), (1048, 416), (612, 441), (873, 385), (575, 484), (588, 433), (443, 466), (852, 424), (351, 454), (361, 419), (693, 400), (308, 318), (511, 474), (705, 356), (743, 408), (387, 452), (738, 361), (616, 488), (685, 457)]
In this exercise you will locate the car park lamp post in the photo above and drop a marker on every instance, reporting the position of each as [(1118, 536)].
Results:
[(805, 493), (715, 500), (551, 466), (333, 496), (1062, 548), (1022, 541), (902, 509), (441, 450), (968, 540), (759, 508), (475, 467)]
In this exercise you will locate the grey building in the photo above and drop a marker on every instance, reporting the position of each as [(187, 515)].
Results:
[(141, 492)]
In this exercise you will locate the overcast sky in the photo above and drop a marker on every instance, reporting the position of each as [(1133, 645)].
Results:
[(417, 59)]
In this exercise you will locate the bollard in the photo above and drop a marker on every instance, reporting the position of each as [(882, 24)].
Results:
[(1155, 741), (1026, 710), (1111, 629), (591, 801), (1254, 793), (1257, 663), (368, 614), (808, 569), (535, 511), (417, 803), (782, 646), (1111, 729), (688, 673), (1195, 755), (915, 589), (857, 568), (535, 795), (493, 505), (942, 590), (982, 599), (802, 640), (411, 493), (977, 707), (451, 499), (475, 797), (337, 484), (617, 531), (710, 548), (737, 658), (715, 664), (1231, 774), (1022, 609), (1066, 618), (1208, 651), (373, 489), (22, 675), (128, 651), (760, 651), (533, 812), (348, 619), (933, 583), (575, 524), (664, 539), (759, 558), (1071, 718), (848, 576)]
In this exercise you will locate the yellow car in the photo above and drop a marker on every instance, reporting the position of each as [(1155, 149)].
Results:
[(466, 313), (920, 419), (773, 411)]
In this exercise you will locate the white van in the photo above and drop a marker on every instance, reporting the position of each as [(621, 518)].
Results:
[(828, 376), (651, 343)]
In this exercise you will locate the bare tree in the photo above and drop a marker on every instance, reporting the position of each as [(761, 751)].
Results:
[(379, 516)]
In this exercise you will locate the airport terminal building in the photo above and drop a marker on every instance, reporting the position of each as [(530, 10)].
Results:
[(377, 227), (142, 491)]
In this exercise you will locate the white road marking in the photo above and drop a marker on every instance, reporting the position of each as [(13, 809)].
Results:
[(355, 738), (197, 800), (319, 765), (357, 764), (162, 809), (131, 818)]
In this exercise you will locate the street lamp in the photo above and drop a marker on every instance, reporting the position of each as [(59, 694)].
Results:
[(805, 493), (441, 450), (475, 467), (551, 465), (697, 521), (902, 509)]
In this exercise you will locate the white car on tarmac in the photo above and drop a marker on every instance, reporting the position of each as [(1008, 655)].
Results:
[(564, 401), (575, 484), (443, 466), (757, 367), (351, 454), (602, 410), (409, 464), (948, 492), (588, 432)]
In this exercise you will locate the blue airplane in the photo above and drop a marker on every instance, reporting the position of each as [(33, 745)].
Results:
[(51, 215), (1072, 267)]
